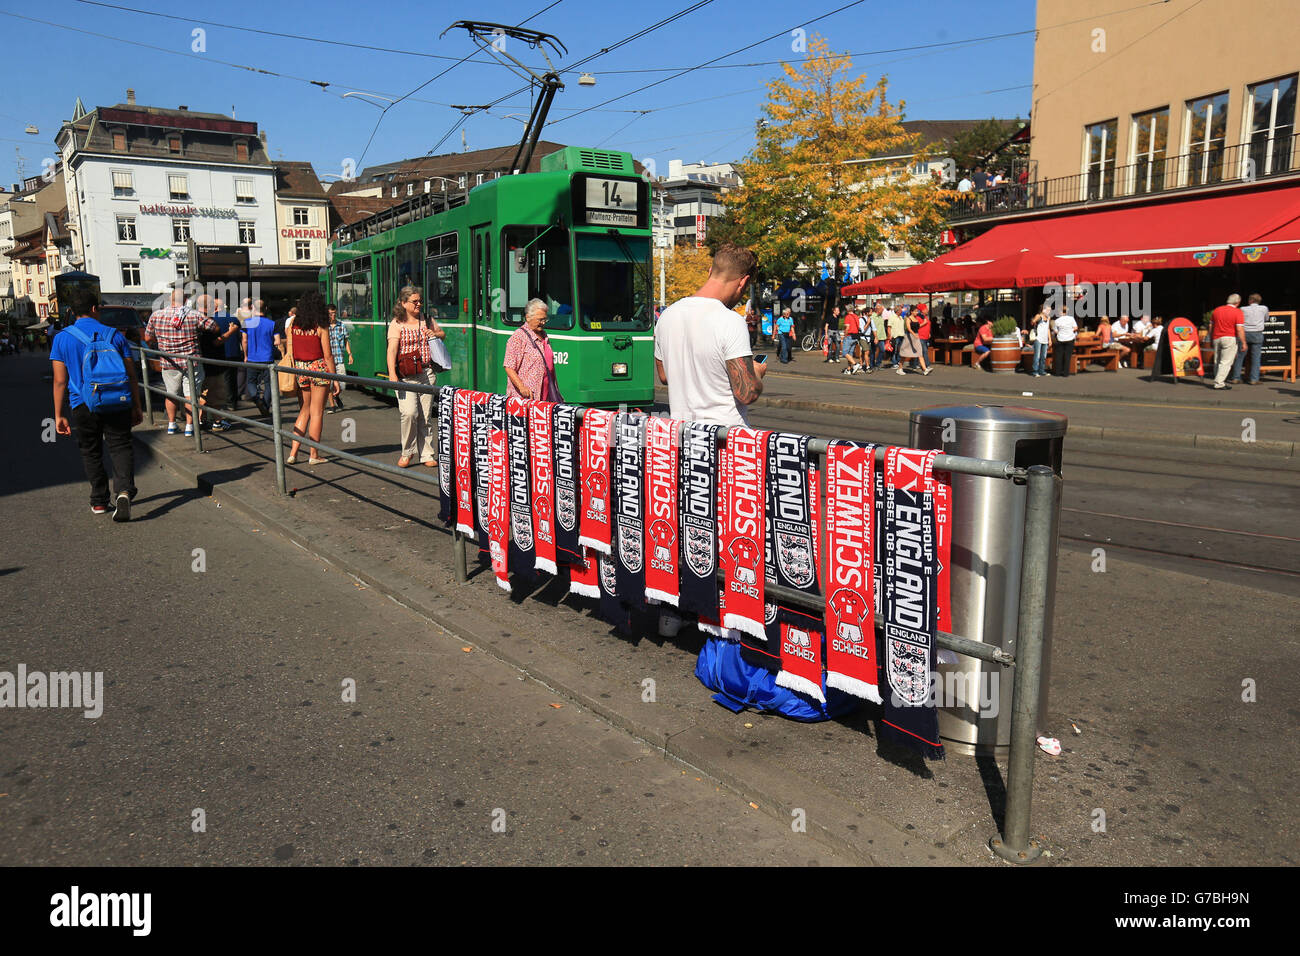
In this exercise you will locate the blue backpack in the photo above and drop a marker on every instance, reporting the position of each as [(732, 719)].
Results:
[(105, 386)]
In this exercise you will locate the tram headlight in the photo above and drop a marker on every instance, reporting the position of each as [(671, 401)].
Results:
[(618, 368)]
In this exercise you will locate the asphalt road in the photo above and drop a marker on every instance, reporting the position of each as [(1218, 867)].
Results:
[(224, 694)]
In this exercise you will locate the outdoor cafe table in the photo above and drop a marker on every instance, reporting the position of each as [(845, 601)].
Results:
[(950, 349)]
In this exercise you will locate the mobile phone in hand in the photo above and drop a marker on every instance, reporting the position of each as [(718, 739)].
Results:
[(760, 359)]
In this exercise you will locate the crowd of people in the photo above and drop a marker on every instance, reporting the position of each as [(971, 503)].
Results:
[(865, 339)]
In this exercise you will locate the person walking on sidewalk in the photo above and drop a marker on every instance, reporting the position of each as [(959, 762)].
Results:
[(409, 360), (852, 336), (1255, 316), (72, 414), (175, 329), (785, 336), (831, 335), (260, 345), (309, 349), (702, 350), (1228, 335), (341, 346)]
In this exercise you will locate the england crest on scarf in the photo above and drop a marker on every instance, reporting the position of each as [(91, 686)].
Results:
[(594, 522), (629, 508), (446, 471), (611, 609), (521, 557), (661, 573), (698, 497), (568, 497), (909, 600)]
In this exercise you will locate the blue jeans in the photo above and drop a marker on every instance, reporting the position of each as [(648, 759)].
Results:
[(783, 347), (259, 386), (1040, 357), (1254, 345), (850, 341)]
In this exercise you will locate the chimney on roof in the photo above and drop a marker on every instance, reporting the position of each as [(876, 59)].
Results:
[(130, 97)]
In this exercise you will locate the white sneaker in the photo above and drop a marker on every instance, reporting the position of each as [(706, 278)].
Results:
[(900, 371)]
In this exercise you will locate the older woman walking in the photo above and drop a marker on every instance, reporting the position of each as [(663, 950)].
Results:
[(409, 361), (529, 362)]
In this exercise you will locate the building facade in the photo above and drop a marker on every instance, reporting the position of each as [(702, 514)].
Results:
[(302, 215), (142, 181)]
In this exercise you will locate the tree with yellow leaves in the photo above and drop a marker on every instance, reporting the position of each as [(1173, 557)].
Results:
[(685, 270), (832, 169)]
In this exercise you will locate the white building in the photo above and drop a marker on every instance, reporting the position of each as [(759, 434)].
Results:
[(141, 181)]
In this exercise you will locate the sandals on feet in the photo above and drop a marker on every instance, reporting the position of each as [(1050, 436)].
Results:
[(404, 462)]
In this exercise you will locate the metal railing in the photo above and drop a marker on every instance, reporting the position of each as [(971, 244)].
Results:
[(1199, 169), (276, 426), (1043, 488)]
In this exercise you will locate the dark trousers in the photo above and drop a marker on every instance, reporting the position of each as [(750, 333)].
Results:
[(783, 348), (92, 431), (1061, 358), (231, 375)]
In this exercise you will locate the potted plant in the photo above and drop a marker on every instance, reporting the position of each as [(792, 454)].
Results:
[(1006, 345)]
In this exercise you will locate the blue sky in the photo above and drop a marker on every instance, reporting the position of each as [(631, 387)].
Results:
[(705, 115)]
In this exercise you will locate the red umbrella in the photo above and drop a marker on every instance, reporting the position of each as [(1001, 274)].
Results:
[(933, 276), (1025, 269)]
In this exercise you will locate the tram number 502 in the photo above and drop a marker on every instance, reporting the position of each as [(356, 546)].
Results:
[(561, 358)]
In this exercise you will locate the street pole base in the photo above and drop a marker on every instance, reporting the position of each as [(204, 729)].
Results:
[(1030, 854)]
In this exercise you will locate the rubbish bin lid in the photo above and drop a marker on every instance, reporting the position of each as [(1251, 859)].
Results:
[(1030, 422)]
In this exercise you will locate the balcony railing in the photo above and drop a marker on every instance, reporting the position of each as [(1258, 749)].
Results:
[(1243, 163)]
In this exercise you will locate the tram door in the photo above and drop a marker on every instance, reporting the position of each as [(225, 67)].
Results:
[(481, 295), (385, 297)]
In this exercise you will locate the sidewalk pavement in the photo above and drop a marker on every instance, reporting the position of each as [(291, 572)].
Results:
[(1120, 406), (1140, 757)]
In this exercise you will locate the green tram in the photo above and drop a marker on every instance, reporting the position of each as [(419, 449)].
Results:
[(576, 235)]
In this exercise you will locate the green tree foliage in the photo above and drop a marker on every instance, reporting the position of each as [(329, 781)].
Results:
[(971, 147)]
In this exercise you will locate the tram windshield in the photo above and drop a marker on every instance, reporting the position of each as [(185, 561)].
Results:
[(614, 282)]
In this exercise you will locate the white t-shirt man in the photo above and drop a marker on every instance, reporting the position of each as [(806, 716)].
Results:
[(1066, 328), (695, 338), (965, 185)]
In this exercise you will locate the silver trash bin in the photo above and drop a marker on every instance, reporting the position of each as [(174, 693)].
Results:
[(987, 537)]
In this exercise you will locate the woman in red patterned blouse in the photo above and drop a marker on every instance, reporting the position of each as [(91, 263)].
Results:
[(529, 362), (408, 338)]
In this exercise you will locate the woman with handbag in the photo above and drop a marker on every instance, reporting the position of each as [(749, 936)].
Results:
[(909, 347), (309, 351), (410, 359), (529, 362)]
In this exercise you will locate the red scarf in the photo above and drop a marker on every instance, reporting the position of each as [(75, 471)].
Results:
[(801, 656), (943, 544), (594, 524), (661, 572), (541, 456), (499, 495), (584, 575), (743, 480), (851, 662), (464, 454)]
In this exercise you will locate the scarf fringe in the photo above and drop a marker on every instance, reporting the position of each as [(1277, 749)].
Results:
[(713, 630), (851, 685), (601, 547), (801, 685), (504, 584), (468, 531), (547, 565), (654, 595), (741, 623), (586, 590)]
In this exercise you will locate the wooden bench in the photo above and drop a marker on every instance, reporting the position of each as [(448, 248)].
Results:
[(1108, 359)]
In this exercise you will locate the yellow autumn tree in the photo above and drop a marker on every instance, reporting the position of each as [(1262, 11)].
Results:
[(685, 270), (832, 169)]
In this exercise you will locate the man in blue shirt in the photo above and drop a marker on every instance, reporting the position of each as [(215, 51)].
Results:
[(93, 429), (260, 340), (784, 335), (234, 352)]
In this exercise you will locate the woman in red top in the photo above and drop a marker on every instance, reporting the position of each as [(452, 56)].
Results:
[(309, 350)]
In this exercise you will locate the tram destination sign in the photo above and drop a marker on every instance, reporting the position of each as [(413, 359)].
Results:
[(602, 201)]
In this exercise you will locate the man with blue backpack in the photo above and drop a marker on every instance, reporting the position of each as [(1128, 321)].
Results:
[(97, 398)]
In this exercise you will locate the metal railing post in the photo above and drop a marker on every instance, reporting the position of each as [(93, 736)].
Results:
[(194, 403), (1015, 844), (458, 557), (277, 438), (144, 378)]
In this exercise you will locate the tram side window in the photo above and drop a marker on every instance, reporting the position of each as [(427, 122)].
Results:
[(442, 297), (536, 266), (361, 294), (409, 265), (343, 296)]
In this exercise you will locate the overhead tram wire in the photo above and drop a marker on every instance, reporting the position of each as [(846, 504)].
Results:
[(384, 111)]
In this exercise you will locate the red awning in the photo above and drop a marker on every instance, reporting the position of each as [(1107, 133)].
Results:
[(1179, 234), (1023, 270)]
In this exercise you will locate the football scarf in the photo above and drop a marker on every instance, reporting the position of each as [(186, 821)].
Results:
[(446, 473), (943, 544), (498, 517), (698, 497), (909, 601), (743, 532), (611, 608), (464, 452), (594, 524), (764, 652), (629, 508), (584, 575), (661, 570), (851, 663), (481, 432), (799, 638), (567, 496), (791, 527), (521, 556), (541, 456)]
